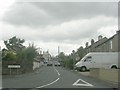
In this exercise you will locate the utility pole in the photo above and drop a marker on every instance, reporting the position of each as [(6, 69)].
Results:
[(58, 50)]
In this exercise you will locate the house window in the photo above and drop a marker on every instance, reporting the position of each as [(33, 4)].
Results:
[(111, 46)]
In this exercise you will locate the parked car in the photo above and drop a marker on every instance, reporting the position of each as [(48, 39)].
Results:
[(49, 63), (106, 60), (57, 64)]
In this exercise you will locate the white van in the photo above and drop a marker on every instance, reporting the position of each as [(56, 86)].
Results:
[(105, 60)]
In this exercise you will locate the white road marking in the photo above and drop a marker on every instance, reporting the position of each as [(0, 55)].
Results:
[(57, 71), (49, 83), (78, 84)]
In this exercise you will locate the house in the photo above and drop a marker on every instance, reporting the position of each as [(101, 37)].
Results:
[(110, 45), (94, 45), (105, 44), (37, 64), (46, 56), (38, 61)]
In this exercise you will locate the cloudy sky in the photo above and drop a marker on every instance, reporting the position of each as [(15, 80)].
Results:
[(52, 24)]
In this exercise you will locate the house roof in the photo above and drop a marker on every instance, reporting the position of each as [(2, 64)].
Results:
[(104, 40), (98, 42), (118, 32)]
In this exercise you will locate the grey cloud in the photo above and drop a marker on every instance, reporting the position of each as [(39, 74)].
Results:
[(27, 15), (78, 9), (36, 14), (69, 33)]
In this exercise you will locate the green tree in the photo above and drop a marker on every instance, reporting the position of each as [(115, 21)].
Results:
[(4, 53), (62, 57), (67, 61), (81, 52), (18, 54), (26, 57), (14, 44), (71, 62), (10, 56)]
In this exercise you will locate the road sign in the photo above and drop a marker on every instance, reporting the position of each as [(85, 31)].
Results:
[(14, 66)]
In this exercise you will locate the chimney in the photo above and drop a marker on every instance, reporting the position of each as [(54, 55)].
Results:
[(86, 44), (99, 37), (118, 31), (92, 41)]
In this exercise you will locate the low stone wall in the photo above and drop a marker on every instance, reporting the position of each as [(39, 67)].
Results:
[(94, 72), (37, 65), (109, 75), (7, 71), (0, 67), (0, 70)]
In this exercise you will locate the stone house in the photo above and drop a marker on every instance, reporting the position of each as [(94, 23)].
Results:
[(104, 44), (46, 56), (94, 45), (110, 45)]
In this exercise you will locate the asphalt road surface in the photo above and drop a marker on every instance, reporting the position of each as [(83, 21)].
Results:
[(52, 77)]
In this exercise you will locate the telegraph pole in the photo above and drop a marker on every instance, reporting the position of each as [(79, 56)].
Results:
[(58, 50)]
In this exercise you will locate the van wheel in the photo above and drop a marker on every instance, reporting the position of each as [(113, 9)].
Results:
[(113, 67), (83, 69)]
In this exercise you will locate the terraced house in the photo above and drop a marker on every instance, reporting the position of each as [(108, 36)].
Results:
[(111, 44)]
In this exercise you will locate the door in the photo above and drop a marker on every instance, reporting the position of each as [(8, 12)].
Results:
[(88, 62)]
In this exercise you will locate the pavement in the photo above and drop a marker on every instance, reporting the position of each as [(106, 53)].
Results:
[(53, 77), (0, 75), (0, 82), (0, 68), (85, 73)]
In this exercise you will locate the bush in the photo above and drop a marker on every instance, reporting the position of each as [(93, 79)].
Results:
[(10, 56)]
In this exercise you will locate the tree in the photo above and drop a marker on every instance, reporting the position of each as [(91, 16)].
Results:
[(18, 54), (10, 56), (67, 61), (4, 53), (81, 52), (26, 57), (14, 44), (62, 56)]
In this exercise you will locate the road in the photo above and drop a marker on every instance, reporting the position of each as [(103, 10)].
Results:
[(52, 77)]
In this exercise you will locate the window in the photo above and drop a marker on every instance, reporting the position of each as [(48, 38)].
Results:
[(111, 45), (88, 59), (85, 60)]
